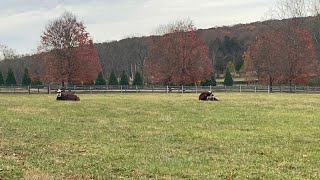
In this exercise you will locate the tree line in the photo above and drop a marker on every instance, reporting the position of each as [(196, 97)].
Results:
[(283, 52)]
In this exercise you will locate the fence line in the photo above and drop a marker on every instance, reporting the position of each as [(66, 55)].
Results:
[(85, 89)]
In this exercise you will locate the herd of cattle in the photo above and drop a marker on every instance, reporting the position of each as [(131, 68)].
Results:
[(69, 96)]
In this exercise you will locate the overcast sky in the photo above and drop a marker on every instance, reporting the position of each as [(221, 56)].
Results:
[(23, 21)]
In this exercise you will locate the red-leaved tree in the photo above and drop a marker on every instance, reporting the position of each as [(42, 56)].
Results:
[(301, 57), (178, 56), (263, 58), (282, 55), (68, 51)]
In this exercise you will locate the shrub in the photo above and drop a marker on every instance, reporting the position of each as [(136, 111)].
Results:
[(209, 82)]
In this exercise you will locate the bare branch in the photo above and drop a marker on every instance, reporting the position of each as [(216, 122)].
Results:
[(7, 53)]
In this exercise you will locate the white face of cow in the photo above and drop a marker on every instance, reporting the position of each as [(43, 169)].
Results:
[(58, 93)]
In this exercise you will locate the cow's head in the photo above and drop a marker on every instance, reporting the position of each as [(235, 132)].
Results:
[(58, 93)]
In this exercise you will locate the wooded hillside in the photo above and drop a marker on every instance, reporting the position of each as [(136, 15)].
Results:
[(226, 44)]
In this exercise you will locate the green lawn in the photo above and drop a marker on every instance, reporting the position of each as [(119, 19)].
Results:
[(160, 136)]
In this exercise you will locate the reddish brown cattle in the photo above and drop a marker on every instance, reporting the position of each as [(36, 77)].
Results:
[(66, 96), (207, 96)]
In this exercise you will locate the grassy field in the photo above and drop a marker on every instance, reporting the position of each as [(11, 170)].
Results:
[(160, 136)]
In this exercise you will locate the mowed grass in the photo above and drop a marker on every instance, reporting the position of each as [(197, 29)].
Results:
[(160, 136)]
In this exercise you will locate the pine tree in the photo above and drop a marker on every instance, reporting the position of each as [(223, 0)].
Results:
[(112, 79), (10, 80), (228, 81), (209, 82), (100, 80), (26, 80), (137, 80), (206, 83), (1, 79), (124, 81)]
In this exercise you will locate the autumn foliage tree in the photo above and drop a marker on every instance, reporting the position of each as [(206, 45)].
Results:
[(301, 57), (298, 45), (282, 55), (70, 56), (178, 56), (35, 77), (263, 58)]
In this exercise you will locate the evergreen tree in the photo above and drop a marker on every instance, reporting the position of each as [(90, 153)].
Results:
[(26, 80), (100, 80), (137, 80), (1, 79), (10, 80), (209, 82), (206, 83), (228, 81), (113, 79), (124, 79)]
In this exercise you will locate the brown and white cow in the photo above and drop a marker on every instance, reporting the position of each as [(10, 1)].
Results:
[(207, 96), (66, 96)]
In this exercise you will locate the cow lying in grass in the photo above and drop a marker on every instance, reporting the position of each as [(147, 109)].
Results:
[(66, 96), (207, 96)]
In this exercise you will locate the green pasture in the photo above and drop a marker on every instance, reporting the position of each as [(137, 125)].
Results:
[(160, 136)]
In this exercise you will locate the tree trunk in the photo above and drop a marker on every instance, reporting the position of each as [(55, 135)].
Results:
[(63, 85)]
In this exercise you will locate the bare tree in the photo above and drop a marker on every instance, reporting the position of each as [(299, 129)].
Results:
[(184, 25), (7, 53), (286, 9), (65, 32), (139, 50)]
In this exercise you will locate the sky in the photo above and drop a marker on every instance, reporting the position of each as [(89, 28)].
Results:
[(23, 21)]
